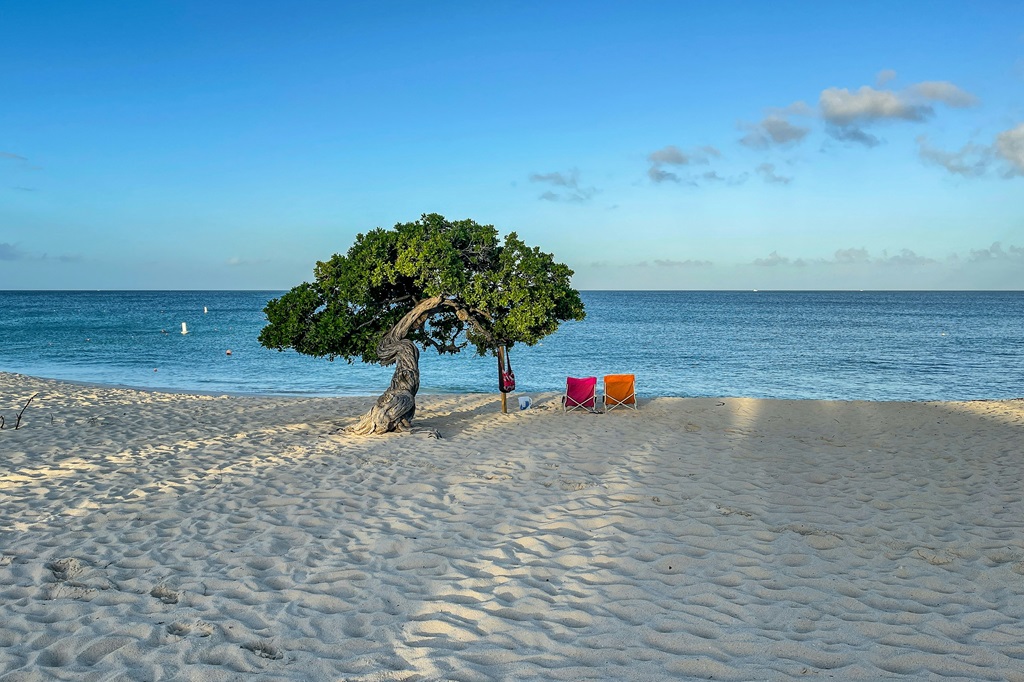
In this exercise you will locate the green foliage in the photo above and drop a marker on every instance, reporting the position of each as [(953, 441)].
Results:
[(507, 293)]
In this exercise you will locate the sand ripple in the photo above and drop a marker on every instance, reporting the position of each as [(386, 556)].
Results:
[(153, 536)]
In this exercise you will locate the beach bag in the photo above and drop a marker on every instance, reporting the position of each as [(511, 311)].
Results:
[(506, 377)]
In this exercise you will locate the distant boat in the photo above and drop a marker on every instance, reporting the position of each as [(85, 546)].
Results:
[(184, 328), (204, 310)]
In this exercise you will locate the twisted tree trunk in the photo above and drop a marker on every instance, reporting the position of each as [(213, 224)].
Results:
[(396, 407)]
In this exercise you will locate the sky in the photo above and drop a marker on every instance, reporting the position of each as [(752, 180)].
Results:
[(648, 145)]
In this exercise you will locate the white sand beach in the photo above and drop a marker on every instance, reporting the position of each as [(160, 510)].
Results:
[(152, 536)]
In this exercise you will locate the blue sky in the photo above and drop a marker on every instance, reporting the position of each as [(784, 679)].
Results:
[(791, 145)]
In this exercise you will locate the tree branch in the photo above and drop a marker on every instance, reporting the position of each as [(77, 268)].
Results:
[(475, 317), (17, 421), (385, 308)]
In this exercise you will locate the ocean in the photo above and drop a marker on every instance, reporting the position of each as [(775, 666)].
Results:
[(765, 344)]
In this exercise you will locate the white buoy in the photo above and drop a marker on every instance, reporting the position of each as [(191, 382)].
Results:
[(184, 328)]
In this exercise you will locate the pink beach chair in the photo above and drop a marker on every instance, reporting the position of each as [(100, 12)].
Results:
[(580, 394)]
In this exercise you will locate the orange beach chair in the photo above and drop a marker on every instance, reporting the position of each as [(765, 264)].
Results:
[(620, 391)]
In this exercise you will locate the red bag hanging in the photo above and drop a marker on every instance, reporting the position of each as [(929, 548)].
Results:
[(506, 377)]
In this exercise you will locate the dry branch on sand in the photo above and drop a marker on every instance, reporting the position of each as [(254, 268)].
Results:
[(17, 421)]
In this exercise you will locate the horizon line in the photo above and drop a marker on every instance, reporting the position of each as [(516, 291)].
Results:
[(747, 290)]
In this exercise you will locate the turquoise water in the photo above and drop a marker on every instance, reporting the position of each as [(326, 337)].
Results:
[(827, 345)]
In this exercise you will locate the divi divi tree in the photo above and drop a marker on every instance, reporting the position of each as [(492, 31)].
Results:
[(432, 283)]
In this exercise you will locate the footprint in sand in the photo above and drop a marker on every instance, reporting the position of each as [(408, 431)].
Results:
[(164, 594), (356, 626), (195, 628), (728, 511), (72, 590), (264, 649), (66, 586), (572, 486), (999, 557), (66, 568), (934, 558)]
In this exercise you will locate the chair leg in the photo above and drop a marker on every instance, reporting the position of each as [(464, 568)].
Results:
[(612, 403)]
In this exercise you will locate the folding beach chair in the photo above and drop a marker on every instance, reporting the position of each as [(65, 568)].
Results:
[(620, 391), (580, 394)]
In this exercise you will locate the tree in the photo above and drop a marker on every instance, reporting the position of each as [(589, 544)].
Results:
[(434, 283)]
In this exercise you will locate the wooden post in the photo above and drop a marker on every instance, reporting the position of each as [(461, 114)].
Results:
[(501, 372)]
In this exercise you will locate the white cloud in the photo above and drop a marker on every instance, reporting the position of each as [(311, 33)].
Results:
[(860, 257), (706, 152), (945, 92), (841, 107), (556, 178), (568, 182), (712, 177), (682, 263), (1009, 145), (905, 258), (773, 129), (974, 160), (659, 176), (996, 253), (995, 267), (767, 171), (970, 161), (671, 155), (847, 113), (884, 76), (11, 252), (847, 257), (854, 134), (852, 256), (782, 131), (775, 260)]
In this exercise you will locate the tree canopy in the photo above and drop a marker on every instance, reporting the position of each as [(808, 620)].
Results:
[(495, 292)]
